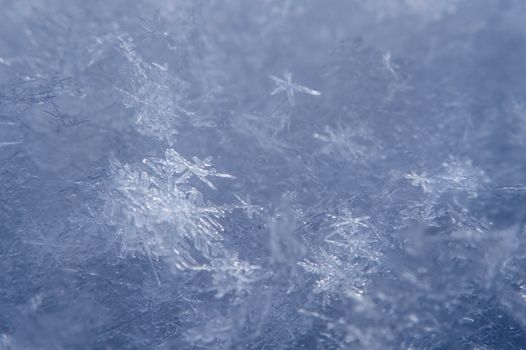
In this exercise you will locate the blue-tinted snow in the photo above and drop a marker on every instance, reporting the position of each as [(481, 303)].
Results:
[(179, 174)]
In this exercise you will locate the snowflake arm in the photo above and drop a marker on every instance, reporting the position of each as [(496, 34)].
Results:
[(307, 90)]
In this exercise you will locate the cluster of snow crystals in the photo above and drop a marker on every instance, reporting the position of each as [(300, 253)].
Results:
[(455, 176), (447, 194), (262, 174), (167, 217), (349, 255)]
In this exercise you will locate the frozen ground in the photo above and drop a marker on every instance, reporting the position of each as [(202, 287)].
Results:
[(271, 174)]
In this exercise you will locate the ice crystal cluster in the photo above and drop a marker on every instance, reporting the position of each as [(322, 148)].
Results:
[(271, 174)]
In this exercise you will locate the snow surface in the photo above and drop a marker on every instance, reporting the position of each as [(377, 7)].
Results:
[(271, 174)]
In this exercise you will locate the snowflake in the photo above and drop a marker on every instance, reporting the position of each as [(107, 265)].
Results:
[(462, 176), (457, 175), (351, 222), (290, 88), (347, 256), (174, 163), (248, 208), (347, 142), (336, 274), (419, 180)]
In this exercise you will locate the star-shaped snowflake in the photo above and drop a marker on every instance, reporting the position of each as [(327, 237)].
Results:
[(286, 84)]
